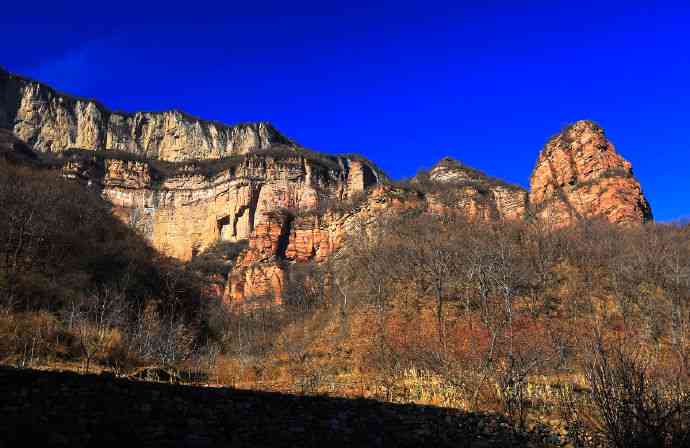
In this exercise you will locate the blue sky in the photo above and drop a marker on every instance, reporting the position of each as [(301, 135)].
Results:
[(404, 83)]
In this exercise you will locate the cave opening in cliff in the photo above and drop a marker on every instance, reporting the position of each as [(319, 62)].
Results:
[(225, 229)]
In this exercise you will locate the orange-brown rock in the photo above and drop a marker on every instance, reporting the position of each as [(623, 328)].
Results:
[(258, 271), (186, 183), (183, 208), (283, 241), (579, 175), (452, 186), (311, 239)]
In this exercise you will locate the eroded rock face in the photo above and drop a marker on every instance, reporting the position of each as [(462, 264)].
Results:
[(53, 122), (579, 175), (170, 193), (307, 238), (475, 194), (260, 272), (184, 211)]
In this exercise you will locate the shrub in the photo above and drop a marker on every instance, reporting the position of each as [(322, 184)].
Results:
[(630, 402)]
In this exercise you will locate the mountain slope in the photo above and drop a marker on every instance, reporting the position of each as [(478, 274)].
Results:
[(186, 184)]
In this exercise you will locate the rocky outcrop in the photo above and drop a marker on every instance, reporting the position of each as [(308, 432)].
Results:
[(309, 237), (183, 208), (579, 175), (186, 183), (259, 272), (452, 186), (53, 122)]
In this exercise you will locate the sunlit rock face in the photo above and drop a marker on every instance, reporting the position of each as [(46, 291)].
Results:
[(474, 194), (579, 175), (183, 209), (53, 122), (284, 240), (186, 183)]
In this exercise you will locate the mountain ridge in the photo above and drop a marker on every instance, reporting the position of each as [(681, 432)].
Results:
[(295, 205), (52, 121)]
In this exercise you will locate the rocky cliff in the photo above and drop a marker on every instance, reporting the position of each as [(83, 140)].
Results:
[(286, 239), (183, 208), (51, 121), (579, 175), (452, 185), (186, 183)]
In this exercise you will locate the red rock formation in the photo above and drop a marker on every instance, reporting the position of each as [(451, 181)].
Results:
[(311, 240), (273, 248), (186, 206), (579, 174), (258, 270)]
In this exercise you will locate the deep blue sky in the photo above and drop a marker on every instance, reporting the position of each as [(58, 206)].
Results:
[(403, 83)]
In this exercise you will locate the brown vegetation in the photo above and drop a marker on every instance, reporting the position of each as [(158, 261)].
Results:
[(77, 285), (499, 316), (587, 326), (592, 319)]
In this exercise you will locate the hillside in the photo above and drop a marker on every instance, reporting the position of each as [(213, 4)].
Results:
[(269, 266), (186, 184)]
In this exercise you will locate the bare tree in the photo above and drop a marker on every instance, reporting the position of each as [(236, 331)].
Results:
[(632, 402), (94, 319)]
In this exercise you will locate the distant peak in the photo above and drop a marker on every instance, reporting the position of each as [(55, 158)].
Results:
[(583, 125), (449, 169), (449, 161)]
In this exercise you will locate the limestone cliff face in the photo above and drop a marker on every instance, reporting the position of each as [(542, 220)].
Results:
[(310, 237), (475, 194), (182, 208), (53, 122), (579, 175), (186, 183)]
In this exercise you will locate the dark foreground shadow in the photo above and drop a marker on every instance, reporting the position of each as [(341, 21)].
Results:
[(67, 409)]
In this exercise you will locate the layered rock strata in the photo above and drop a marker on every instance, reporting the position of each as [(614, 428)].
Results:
[(185, 209), (187, 183), (50, 121), (285, 240)]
